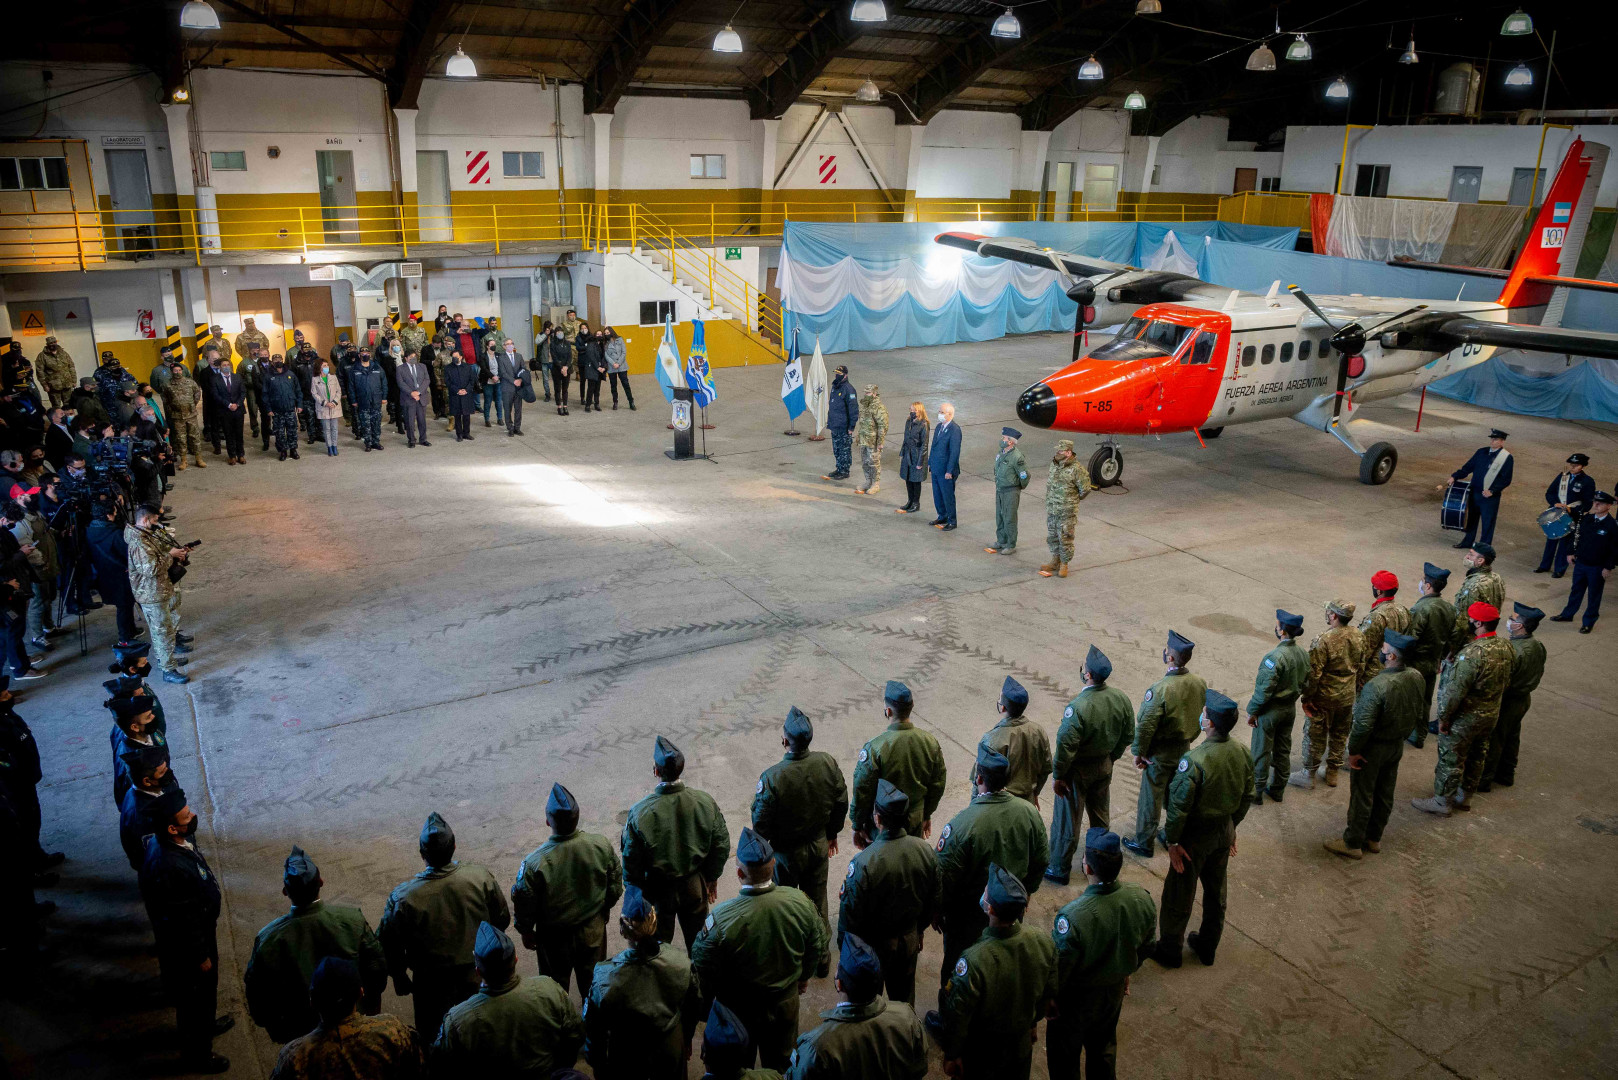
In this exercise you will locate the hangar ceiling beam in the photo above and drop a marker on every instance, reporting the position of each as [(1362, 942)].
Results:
[(968, 58), (643, 24), (277, 23), (424, 26), (803, 63)]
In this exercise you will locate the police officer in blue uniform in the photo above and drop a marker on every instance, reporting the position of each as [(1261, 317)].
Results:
[(1595, 554), (1573, 490), (1490, 470)]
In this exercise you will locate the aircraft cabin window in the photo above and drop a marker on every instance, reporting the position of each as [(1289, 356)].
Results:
[(1247, 356), (1268, 355), (1303, 350), (1325, 343), (1286, 352), (1201, 350)]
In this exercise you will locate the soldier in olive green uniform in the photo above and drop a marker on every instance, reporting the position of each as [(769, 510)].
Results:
[(1386, 614), (1066, 485), (907, 756), (182, 408), (1469, 693), (999, 989), (248, 345), (995, 827), (1272, 709), (286, 951), (1164, 727), (1010, 478), (865, 1035), (1102, 938), (1328, 695), (1432, 618), (800, 806), (56, 372), (728, 1048), (675, 843), (891, 894), (757, 952), (1500, 767), (870, 432), (431, 922), (643, 1005), (1095, 732), (1387, 708), (512, 1026), (563, 894), (1481, 584), (1020, 741), (1207, 800)]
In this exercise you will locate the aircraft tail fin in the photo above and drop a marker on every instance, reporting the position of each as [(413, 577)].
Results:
[(1559, 227)]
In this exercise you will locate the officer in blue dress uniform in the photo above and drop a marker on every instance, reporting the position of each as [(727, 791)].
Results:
[(1490, 470), (1595, 554), (1572, 490)]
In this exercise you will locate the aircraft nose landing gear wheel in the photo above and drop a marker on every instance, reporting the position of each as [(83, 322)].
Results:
[(1377, 463), (1106, 466)]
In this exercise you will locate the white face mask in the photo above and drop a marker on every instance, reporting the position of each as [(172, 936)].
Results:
[(942, 419)]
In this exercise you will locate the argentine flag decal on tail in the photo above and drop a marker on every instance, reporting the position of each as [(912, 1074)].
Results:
[(1561, 213)]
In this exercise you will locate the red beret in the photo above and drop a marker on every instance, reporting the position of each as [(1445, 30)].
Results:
[(1382, 579), (1483, 612)]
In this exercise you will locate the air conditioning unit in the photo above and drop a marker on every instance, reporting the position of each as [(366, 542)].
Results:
[(410, 269), (323, 273)]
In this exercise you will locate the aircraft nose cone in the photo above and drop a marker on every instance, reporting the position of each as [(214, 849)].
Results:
[(1037, 406)]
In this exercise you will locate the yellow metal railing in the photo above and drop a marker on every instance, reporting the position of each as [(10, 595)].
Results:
[(1289, 209)]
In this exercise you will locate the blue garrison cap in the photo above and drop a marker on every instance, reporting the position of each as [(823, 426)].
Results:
[(1103, 842), (896, 693), (170, 802), (890, 801), (1011, 432), (636, 906), (1524, 612), (1013, 692), (143, 761), (300, 869), (126, 708), (1005, 890), (859, 969), (1181, 645), (1221, 710), (752, 849), (1398, 641), (128, 654), (725, 1031), (797, 727), (1097, 664), (1435, 574), (665, 753), (561, 802), (437, 840), (493, 948), (335, 980), (1286, 618), (124, 685), (992, 767)]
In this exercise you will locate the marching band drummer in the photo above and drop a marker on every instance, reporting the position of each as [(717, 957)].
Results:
[(1490, 470), (1572, 491)]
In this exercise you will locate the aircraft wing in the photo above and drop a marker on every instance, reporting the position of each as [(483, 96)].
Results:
[(1442, 332), (1015, 249)]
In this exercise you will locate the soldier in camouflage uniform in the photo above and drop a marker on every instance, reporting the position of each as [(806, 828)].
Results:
[(870, 433), (1020, 741), (756, 953), (413, 337), (1387, 708), (1328, 695), (994, 828), (512, 1026), (1067, 484), (1272, 709), (56, 372), (1095, 732), (1432, 618), (865, 1035), (1500, 767), (150, 555), (1386, 614), (907, 756), (386, 1045), (564, 892), (1481, 584), (891, 894), (251, 346), (182, 407), (1469, 693), (1164, 727), (674, 845), (643, 1004), (800, 806), (1207, 801), (1010, 478)]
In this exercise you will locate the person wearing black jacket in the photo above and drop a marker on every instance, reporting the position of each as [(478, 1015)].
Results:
[(283, 401), (368, 387), (579, 342), (561, 354), (20, 775), (109, 560), (228, 391), (593, 366), (207, 370), (461, 386), (389, 355), (489, 382), (305, 363), (1571, 490), (345, 374)]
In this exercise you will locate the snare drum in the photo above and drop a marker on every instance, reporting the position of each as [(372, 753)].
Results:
[(1555, 523), (1452, 515)]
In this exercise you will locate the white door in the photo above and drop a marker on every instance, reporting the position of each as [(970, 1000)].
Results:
[(432, 195), (517, 313), (131, 192), (1101, 187), (335, 170)]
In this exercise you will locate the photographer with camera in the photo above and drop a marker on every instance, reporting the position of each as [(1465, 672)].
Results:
[(64, 503), (38, 545), (156, 562)]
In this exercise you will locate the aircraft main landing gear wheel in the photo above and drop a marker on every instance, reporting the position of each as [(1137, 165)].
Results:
[(1211, 432), (1378, 463), (1106, 466)]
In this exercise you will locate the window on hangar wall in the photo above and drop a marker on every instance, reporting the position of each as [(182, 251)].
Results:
[(707, 166), (33, 174), (656, 312), (228, 160), (1371, 180), (523, 163)]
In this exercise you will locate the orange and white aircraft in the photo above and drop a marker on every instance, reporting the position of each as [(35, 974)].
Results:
[(1195, 356)]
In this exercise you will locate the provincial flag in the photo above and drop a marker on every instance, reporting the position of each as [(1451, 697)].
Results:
[(698, 376), (792, 395), (815, 389)]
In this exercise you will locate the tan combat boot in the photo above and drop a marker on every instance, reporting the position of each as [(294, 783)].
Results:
[(1061, 570), (1337, 846), (1373, 846), (179, 466), (196, 460), (1331, 777), (874, 488)]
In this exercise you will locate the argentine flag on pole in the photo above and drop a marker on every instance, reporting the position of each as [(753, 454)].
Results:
[(792, 395), (697, 374), (668, 362)]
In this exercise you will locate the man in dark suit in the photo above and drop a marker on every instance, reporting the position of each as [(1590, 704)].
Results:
[(944, 461), (1490, 470), (1595, 556), (229, 393), (109, 555), (58, 439), (415, 390), (510, 369), (1571, 490)]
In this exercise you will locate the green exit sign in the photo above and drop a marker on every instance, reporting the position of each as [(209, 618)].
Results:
[(733, 254)]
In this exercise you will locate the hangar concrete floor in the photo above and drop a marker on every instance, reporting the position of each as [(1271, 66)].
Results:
[(455, 628)]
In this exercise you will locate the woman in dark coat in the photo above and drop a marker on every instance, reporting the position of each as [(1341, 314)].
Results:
[(913, 456), (461, 387), (561, 354), (583, 339), (593, 365)]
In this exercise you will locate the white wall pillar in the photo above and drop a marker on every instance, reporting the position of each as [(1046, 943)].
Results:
[(907, 143), (193, 303), (1032, 150), (405, 122), (174, 330), (601, 154), (178, 117), (770, 130)]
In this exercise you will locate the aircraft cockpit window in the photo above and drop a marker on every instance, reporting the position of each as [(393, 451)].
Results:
[(1166, 335), (1131, 328), (1201, 350), (1121, 349)]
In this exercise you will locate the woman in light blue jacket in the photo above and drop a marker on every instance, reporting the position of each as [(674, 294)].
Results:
[(618, 367)]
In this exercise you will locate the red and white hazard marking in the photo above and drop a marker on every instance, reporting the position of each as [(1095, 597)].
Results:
[(828, 168), (477, 167)]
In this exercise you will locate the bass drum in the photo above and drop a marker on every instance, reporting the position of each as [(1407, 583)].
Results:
[(1452, 515), (1555, 523)]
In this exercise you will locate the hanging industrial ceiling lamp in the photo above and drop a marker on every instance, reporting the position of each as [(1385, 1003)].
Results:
[(1517, 24), (198, 15), (1338, 90), (1090, 69), (1299, 49), (1006, 26), (460, 66), (1148, 7), (1521, 75), (1135, 102), (1262, 59), (868, 11), (869, 92), (727, 41), (1409, 55)]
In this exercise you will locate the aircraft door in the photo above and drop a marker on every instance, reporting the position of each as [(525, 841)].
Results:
[(1190, 383)]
